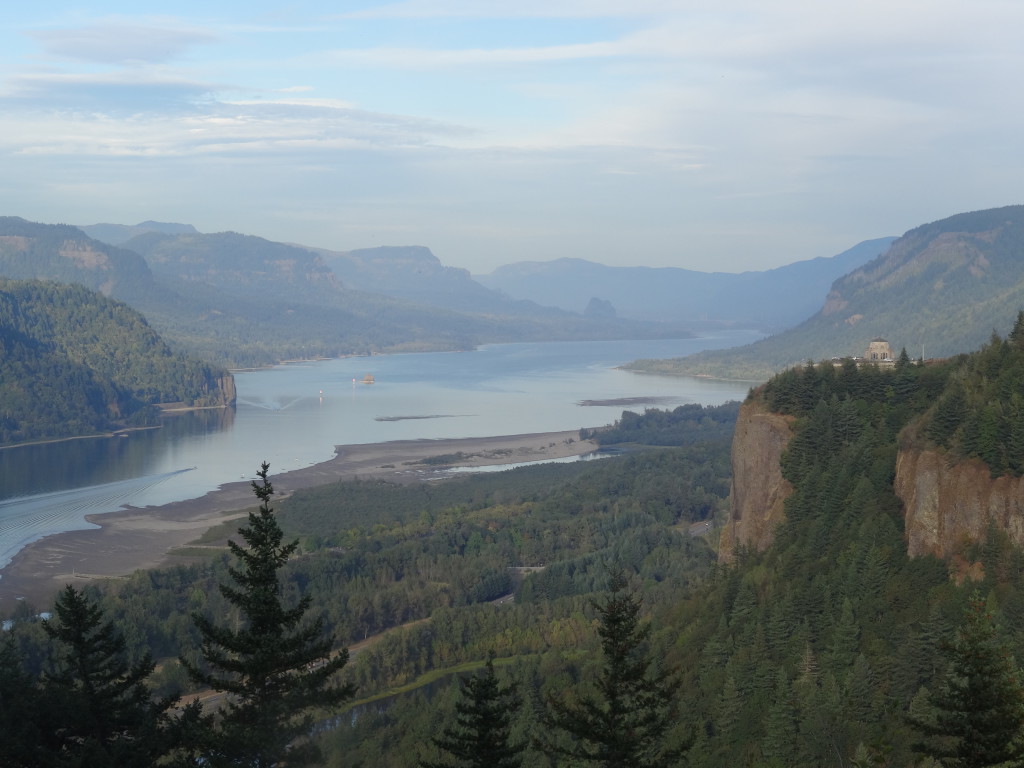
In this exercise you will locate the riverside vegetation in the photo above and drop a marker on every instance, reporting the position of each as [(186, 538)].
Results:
[(830, 648)]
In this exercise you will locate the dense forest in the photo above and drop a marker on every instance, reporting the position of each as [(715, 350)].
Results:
[(831, 647), (73, 362)]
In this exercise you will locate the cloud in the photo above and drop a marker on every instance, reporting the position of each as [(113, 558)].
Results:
[(293, 127), (121, 42), (132, 91)]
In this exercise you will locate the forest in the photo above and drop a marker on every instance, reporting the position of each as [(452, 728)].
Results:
[(830, 648), (74, 362)]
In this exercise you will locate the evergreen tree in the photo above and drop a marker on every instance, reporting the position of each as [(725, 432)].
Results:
[(100, 710), (780, 725), (977, 717), (480, 737), (277, 667), (20, 711), (626, 723)]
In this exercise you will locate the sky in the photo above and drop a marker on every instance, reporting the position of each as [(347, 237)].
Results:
[(717, 135)]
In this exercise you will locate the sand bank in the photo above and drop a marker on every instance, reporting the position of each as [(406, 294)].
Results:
[(145, 537)]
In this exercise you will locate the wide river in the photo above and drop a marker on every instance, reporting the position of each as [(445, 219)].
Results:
[(294, 415)]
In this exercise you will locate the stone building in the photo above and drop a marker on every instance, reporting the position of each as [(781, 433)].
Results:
[(879, 351)]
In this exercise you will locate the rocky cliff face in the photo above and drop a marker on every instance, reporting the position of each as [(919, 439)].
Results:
[(758, 488), (948, 504)]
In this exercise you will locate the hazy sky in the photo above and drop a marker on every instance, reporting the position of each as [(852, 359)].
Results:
[(723, 135)]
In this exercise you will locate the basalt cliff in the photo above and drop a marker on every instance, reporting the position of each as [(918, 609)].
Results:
[(758, 489), (948, 502)]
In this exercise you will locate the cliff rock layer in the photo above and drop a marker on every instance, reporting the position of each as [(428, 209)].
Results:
[(948, 504), (758, 488)]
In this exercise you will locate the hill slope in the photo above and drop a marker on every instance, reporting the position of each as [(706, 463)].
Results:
[(74, 362), (940, 290), (414, 273), (770, 300)]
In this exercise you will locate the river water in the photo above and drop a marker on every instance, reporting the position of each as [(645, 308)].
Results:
[(293, 416)]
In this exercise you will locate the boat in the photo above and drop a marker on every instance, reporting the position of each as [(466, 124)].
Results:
[(368, 379)]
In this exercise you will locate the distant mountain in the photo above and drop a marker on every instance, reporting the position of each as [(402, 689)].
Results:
[(73, 362), (770, 300), (63, 253), (414, 273), (243, 301), (239, 265), (119, 234), (940, 290)]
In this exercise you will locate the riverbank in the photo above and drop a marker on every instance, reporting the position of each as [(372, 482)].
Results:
[(139, 538)]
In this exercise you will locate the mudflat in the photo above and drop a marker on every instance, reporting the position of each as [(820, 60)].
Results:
[(146, 537)]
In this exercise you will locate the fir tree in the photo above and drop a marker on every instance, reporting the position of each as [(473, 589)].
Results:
[(977, 717), (20, 712), (627, 722), (278, 667), (481, 737), (99, 708)]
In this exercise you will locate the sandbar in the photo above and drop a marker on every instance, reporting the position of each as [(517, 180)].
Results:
[(145, 537)]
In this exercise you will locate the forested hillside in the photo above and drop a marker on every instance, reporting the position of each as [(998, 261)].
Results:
[(940, 290), (73, 362)]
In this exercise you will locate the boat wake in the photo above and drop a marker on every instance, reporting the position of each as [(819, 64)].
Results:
[(28, 518), (272, 405)]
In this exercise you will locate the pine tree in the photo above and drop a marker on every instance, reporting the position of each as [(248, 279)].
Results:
[(20, 712), (278, 667), (100, 708), (481, 737), (978, 713), (626, 723), (779, 743)]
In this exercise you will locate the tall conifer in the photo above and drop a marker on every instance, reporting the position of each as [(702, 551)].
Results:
[(626, 723), (99, 710), (978, 712), (278, 666), (480, 736)]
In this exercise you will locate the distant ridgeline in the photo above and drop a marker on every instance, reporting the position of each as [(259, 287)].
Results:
[(944, 285), (73, 362), (245, 301)]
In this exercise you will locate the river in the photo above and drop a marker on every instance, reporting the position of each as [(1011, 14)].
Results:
[(294, 415)]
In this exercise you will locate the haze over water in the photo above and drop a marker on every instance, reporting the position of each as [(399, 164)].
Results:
[(294, 415)]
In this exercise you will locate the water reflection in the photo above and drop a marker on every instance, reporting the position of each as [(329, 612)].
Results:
[(35, 469)]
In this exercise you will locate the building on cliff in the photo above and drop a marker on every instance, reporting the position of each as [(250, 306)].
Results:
[(879, 351)]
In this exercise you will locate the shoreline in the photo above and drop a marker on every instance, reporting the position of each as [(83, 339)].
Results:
[(138, 538)]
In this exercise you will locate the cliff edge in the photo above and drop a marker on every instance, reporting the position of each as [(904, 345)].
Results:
[(758, 489), (950, 503)]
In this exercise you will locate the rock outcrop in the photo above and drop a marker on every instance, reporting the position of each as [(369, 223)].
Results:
[(758, 489), (949, 503)]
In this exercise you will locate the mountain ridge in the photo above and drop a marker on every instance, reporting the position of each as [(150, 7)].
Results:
[(769, 299), (939, 290)]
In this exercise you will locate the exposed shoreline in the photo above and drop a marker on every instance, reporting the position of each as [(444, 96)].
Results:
[(138, 538)]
